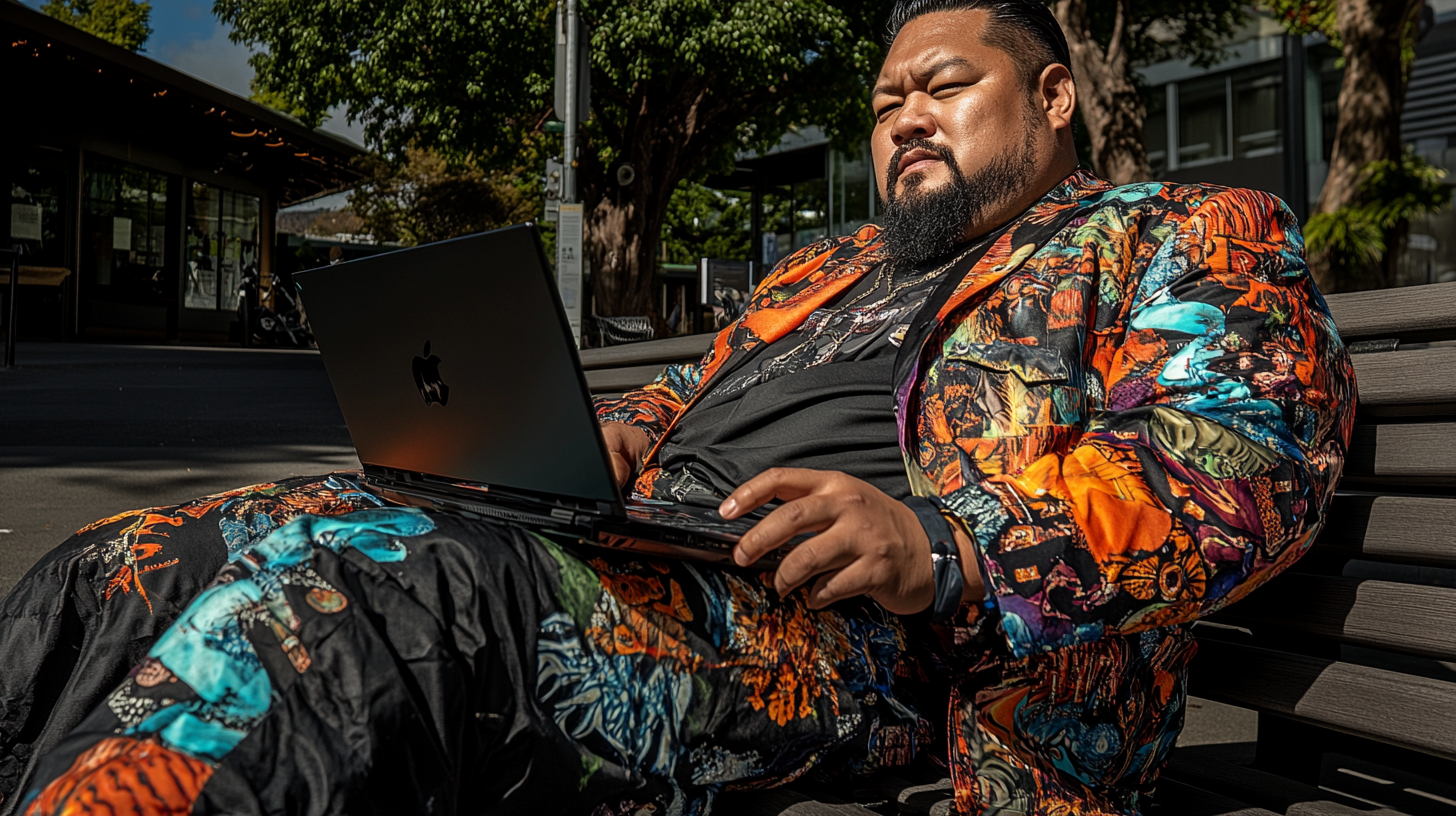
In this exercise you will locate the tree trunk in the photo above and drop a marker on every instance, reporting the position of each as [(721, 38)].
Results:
[(1109, 100), (623, 223), (1372, 96)]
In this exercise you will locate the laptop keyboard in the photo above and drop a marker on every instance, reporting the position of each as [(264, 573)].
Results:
[(689, 516)]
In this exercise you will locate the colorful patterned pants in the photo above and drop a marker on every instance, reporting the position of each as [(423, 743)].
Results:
[(299, 647), (388, 660)]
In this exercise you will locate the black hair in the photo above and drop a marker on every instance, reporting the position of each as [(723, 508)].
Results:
[(1025, 29)]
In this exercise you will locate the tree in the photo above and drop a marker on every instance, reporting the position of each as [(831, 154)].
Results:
[(119, 22), (705, 223), (1105, 41), (678, 86), (1374, 186), (428, 198)]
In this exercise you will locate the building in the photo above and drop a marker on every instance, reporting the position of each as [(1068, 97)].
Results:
[(1235, 123), (139, 193), (1246, 122)]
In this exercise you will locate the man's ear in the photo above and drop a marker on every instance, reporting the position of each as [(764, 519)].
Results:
[(1058, 96)]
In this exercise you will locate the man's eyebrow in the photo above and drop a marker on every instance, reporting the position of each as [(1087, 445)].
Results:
[(947, 63)]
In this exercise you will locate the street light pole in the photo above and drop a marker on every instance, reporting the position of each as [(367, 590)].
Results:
[(568, 147)]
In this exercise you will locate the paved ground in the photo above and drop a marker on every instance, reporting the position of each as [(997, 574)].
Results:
[(89, 430)]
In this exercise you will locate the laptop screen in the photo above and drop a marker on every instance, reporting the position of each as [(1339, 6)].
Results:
[(454, 359)]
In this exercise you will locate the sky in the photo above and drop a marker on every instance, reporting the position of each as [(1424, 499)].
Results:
[(186, 36)]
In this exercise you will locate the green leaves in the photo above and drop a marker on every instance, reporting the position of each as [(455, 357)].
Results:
[(119, 22), (427, 198), (1392, 193), (457, 75), (473, 77)]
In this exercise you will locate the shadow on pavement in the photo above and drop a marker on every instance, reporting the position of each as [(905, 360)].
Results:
[(90, 430)]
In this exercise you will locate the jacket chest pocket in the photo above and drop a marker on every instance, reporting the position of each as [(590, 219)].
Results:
[(1010, 389)]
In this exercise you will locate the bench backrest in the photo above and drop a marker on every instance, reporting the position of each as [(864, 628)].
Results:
[(1357, 636)]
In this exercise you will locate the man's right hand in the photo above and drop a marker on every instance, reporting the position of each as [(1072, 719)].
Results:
[(626, 445)]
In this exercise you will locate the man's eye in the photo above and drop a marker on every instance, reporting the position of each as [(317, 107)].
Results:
[(949, 87), (886, 111)]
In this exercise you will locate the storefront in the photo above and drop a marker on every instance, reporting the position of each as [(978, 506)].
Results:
[(141, 195)]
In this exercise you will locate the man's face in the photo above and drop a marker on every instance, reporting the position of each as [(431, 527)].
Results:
[(956, 128)]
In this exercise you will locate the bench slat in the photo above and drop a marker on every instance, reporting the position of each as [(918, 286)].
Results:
[(1204, 770), (1404, 528), (1399, 709), (617, 380), (1395, 312), (1422, 452), (1407, 618), (1174, 797), (688, 348), (1417, 377)]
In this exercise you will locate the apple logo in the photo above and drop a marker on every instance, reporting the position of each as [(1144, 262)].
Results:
[(427, 377)]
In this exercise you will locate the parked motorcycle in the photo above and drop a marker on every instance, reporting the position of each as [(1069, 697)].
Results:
[(288, 326)]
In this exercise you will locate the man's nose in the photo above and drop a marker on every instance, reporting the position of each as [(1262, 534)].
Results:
[(913, 122)]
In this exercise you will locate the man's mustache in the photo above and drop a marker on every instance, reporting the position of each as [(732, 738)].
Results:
[(892, 173)]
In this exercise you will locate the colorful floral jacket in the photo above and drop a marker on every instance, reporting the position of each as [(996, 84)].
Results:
[(1140, 413)]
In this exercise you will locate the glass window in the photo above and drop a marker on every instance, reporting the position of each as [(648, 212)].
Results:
[(852, 192), (36, 212), (123, 226), (1155, 129), (1256, 115), (1203, 121), (222, 242), (200, 289)]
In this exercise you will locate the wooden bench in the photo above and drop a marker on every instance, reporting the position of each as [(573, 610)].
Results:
[(1349, 658)]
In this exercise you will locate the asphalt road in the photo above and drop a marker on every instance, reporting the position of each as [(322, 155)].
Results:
[(90, 430)]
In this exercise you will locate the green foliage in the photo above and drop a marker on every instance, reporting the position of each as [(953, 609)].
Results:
[(1392, 193), (119, 22), (1304, 17), (1170, 29), (706, 223), (472, 78), (1353, 240), (427, 198), (275, 100)]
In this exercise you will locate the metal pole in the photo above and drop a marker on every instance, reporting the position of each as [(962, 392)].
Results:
[(1296, 167), (568, 147), (11, 312)]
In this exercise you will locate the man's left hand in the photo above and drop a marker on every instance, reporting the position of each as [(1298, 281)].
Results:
[(867, 544)]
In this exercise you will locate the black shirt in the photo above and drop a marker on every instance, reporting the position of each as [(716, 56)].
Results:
[(820, 397)]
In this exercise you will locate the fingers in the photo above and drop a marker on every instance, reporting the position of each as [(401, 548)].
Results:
[(774, 483), (824, 553), (833, 587), (621, 468), (626, 446), (809, 514)]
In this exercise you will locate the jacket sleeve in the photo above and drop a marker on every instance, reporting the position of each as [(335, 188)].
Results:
[(1221, 406), (653, 407)]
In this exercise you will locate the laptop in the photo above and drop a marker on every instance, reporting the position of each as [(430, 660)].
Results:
[(459, 381)]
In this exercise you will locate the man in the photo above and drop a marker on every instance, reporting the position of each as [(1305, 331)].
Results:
[(1130, 406)]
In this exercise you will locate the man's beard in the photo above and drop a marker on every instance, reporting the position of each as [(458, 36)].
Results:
[(919, 226)]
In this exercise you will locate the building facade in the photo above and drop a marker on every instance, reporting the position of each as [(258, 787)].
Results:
[(141, 195)]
